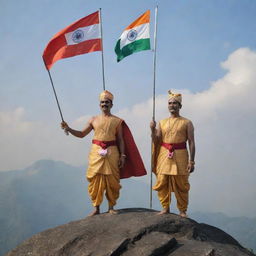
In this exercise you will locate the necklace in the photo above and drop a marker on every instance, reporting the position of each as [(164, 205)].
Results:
[(173, 129), (171, 132)]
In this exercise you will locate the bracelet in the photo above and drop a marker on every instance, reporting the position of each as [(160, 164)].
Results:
[(123, 155), (192, 162)]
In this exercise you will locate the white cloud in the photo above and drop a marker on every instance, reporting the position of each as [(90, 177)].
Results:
[(224, 119), (23, 142)]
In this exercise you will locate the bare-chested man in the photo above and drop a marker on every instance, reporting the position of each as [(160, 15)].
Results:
[(107, 156), (173, 162)]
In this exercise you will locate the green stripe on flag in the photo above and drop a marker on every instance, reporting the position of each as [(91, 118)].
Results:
[(136, 46)]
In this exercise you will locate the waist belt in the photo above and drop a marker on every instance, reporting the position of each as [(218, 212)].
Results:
[(104, 144), (173, 146)]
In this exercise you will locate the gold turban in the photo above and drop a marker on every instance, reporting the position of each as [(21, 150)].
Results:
[(177, 96), (106, 95)]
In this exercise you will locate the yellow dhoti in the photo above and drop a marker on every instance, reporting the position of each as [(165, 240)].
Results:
[(173, 183), (171, 173), (103, 172), (100, 183)]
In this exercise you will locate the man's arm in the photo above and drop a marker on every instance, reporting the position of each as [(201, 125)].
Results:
[(120, 141), (80, 134), (192, 147)]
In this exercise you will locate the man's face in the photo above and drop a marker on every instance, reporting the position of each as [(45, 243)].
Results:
[(174, 106), (106, 105)]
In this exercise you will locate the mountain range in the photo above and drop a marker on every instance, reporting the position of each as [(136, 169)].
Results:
[(50, 193)]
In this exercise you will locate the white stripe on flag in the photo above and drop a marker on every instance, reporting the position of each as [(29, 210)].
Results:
[(142, 33), (83, 34)]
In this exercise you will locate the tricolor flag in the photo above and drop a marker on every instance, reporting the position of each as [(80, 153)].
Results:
[(83, 36), (135, 37)]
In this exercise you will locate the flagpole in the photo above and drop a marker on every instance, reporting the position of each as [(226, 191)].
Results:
[(55, 94), (102, 55), (154, 107)]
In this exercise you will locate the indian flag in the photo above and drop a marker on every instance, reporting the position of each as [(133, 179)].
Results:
[(135, 37), (82, 36)]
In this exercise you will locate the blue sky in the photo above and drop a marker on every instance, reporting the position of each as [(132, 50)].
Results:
[(193, 38), (206, 50)]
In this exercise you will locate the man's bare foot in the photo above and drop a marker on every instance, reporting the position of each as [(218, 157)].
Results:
[(183, 215), (164, 211), (112, 211), (95, 212)]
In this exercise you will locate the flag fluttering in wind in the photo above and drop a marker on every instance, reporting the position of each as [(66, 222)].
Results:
[(83, 36), (135, 37)]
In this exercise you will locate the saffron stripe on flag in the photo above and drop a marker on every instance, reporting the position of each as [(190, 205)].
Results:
[(144, 18)]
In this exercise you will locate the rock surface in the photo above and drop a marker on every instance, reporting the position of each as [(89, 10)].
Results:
[(132, 232)]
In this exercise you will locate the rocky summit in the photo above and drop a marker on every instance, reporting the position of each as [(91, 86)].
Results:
[(131, 232)]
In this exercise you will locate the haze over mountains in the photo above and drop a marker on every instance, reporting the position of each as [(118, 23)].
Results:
[(49, 193)]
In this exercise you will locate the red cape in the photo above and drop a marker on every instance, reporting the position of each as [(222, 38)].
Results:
[(133, 165)]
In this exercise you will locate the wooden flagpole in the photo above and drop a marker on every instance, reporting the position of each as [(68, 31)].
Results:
[(154, 108), (55, 94), (102, 55)]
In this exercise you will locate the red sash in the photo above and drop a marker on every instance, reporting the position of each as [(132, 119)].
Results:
[(104, 144), (173, 146), (133, 165)]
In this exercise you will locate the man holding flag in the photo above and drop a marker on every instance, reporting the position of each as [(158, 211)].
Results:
[(83, 36), (113, 155), (172, 163)]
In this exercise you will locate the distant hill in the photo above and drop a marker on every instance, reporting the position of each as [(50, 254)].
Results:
[(41, 196), (47, 194), (50, 193)]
